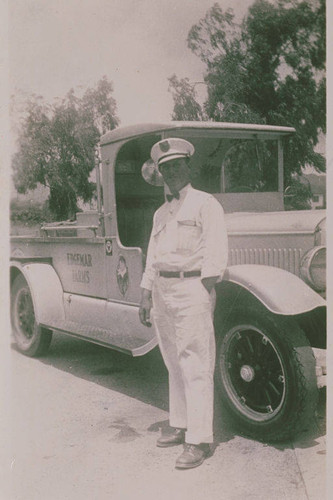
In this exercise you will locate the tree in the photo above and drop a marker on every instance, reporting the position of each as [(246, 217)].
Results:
[(270, 69), (184, 96), (56, 146)]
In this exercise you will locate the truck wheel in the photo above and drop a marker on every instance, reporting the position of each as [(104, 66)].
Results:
[(30, 338), (266, 375)]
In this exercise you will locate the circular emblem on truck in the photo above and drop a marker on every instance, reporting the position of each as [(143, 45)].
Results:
[(108, 247), (122, 275)]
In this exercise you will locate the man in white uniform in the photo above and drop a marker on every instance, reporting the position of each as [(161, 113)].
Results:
[(187, 255)]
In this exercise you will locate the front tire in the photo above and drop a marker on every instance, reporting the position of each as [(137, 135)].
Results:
[(266, 375), (30, 338)]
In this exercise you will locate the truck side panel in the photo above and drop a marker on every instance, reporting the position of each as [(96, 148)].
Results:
[(108, 323), (79, 262)]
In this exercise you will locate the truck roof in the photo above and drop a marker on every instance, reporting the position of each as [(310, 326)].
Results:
[(245, 129)]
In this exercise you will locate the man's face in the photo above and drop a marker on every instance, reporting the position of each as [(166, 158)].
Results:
[(176, 173)]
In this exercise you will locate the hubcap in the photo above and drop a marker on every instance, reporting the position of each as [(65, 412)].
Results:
[(247, 373)]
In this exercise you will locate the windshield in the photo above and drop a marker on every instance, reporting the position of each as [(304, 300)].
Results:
[(234, 165), (225, 167)]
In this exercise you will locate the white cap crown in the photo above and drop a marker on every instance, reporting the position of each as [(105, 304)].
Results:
[(170, 149)]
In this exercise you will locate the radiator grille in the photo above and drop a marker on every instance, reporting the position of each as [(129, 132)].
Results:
[(284, 258)]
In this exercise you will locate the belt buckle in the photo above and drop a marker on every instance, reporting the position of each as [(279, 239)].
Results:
[(181, 275)]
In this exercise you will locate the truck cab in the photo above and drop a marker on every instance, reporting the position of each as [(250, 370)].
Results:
[(83, 278)]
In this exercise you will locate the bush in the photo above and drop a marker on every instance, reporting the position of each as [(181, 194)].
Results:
[(29, 213), (297, 196)]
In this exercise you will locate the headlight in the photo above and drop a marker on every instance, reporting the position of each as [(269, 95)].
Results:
[(320, 233), (313, 268)]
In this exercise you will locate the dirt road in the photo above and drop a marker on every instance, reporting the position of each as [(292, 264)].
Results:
[(84, 421)]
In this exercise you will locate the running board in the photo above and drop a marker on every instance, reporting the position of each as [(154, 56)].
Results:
[(133, 346)]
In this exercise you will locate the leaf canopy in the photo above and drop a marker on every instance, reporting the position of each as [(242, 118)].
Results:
[(56, 146), (269, 69)]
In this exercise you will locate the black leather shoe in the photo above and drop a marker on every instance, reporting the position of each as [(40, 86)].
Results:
[(177, 436), (192, 456)]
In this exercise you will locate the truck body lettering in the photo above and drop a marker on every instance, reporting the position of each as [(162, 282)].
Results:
[(80, 276), (79, 259)]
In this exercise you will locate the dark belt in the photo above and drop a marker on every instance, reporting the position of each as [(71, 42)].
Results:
[(179, 274)]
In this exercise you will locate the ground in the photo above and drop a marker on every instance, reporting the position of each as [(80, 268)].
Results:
[(83, 425)]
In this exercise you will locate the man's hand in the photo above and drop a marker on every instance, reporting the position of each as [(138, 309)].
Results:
[(209, 283), (145, 307)]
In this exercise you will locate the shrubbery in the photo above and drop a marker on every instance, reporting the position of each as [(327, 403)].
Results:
[(29, 213), (297, 195)]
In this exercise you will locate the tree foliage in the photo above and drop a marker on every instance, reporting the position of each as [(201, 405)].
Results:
[(56, 146), (184, 97), (297, 195), (270, 69)]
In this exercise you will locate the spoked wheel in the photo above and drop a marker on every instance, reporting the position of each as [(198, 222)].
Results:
[(30, 339), (266, 374), (253, 373)]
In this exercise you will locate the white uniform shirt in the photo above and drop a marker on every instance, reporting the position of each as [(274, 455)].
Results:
[(188, 234)]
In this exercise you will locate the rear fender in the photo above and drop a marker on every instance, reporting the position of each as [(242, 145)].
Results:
[(45, 288), (280, 291)]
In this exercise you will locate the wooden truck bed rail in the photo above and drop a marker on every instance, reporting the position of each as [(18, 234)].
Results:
[(73, 227)]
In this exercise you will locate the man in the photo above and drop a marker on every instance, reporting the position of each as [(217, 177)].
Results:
[(187, 255)]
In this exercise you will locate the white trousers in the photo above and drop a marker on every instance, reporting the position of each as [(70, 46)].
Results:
[(183, 318)]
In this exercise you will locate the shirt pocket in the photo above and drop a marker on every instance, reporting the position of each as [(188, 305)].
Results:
[(188, 235)]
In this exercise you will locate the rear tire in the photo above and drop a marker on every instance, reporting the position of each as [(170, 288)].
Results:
[(265, 371), (31, 339)]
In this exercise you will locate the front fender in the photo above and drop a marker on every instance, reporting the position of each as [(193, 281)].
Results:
[(45, 288), (281, 292)]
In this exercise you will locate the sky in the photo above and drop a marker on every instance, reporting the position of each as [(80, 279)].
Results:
[(55, 45)]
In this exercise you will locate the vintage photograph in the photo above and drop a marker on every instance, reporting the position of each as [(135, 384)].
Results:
[(167, 220)]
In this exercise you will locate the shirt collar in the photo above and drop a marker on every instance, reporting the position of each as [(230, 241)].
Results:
[(182, 192)]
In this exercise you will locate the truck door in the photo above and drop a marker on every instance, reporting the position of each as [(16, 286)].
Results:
[(126, 247), (135, 201)]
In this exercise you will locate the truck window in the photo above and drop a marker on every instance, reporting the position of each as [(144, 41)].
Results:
[(136, 199)]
